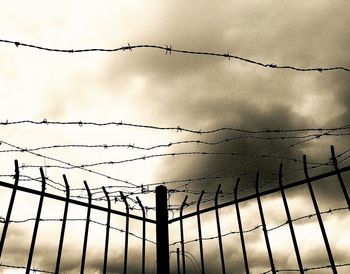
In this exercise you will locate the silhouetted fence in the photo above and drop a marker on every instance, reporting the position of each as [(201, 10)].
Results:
[(15, 187), (162, 222), (181, 253)]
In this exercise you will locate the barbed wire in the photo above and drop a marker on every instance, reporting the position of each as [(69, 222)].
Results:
[(309, 216), (69, 164), (292, 146), (169, 49), (306, 268), (177, 128), (171, 144), (34, 269), (173, 154), (2, 220)]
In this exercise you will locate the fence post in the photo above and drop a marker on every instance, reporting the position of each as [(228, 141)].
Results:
[(162, 233), (9, 211)]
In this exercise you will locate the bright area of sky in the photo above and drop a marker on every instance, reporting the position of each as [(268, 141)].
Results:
[(146, 86)]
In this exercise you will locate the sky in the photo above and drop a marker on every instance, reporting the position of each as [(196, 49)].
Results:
[(147, 86)]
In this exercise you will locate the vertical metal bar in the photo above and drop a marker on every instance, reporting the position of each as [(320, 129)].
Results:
[(63, 227), (319, 218), (219, 230), (200, 232), (241, 229), (286, 207), (126, 245), (36, 224), (182, 237), (178, 260), (86, 229), (105, 259), (273, 270), (162, 232), (143, 235), (340, 178), (9, 210)]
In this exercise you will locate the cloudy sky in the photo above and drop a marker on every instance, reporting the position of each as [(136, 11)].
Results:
[(146, 86)]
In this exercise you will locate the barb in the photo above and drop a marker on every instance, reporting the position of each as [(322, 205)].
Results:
[(330, 211), (169, 50)]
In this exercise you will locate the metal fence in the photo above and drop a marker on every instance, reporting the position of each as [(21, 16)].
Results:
[(308, 181), (67, 200), (162, 222)]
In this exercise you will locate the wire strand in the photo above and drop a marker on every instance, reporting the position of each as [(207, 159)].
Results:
[(169, 49)]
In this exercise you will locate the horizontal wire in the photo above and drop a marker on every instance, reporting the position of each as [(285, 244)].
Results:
[(292, 146), (170, 144), (69, 164), (172, 154), (307, 268), (330, 211), (2, 220), (169, 50), (34, 269), (178, 128)]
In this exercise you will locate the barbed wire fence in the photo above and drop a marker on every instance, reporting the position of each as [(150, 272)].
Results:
[(180, 186)]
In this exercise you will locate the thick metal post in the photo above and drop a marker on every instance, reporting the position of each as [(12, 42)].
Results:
[(126, 245), (319, 218), (340, 178), (162, 233), (36, 225), (63, 227), (143, 235), (200, 232), (273, 270), (219, 231), (286, 207), (182, 237), (83, 256), (9, 210), (105, 259), (241, 230)]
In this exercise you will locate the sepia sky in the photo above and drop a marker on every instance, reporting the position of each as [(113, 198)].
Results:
[(146, 86)]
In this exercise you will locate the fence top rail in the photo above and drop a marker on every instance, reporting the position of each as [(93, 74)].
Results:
[(73, 201), (263, 193)]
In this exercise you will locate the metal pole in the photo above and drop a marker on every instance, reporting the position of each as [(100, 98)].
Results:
[(182, 237), (241, 230), (319, 218), (143, 235), (86, 229), (9, 210), (63, 227), (264, 224), (286, 207), (126, 247), (105, 259), (36, 225), (340, 178), (219, 231), (200, 232), (162, 233)]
